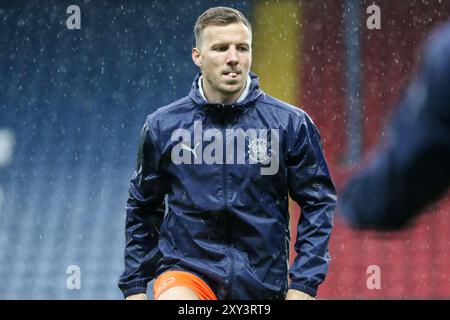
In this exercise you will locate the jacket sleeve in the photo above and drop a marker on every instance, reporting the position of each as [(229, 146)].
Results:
[(414, 168), (144, 215), (310, 185)]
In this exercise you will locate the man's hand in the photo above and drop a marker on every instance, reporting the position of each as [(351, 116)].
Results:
[(293, 294), (139, 296)]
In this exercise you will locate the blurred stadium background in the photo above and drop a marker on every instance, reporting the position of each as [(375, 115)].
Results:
[(72, 103)]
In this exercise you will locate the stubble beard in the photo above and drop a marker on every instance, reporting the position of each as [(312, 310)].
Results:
[(225, 88)]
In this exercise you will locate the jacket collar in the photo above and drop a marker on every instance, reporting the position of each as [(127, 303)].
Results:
[(253, 94), (244, 94)]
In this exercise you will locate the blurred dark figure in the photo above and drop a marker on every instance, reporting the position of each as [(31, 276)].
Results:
[(414, 169)]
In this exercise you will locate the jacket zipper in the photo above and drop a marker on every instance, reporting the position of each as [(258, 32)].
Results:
[(229, 243)]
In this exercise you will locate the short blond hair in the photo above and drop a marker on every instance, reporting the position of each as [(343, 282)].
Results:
[(218, 16)]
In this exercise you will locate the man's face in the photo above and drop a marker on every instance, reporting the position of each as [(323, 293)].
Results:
[(224, 56)]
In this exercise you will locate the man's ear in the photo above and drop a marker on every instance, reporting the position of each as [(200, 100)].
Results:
[(197, 57)]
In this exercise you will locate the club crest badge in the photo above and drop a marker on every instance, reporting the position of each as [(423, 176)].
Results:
[(258, 150)]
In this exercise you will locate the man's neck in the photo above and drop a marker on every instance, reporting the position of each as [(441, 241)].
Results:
[(229, 99)]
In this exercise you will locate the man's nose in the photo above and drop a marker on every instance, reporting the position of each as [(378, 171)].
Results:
[(232, 57)]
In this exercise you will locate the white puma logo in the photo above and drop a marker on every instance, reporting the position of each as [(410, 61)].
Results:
[(186, 147)]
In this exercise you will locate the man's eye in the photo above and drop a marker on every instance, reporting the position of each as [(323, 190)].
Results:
[(220, 49), (243, 49)]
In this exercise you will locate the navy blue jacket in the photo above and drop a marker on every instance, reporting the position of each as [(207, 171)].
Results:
[(414, 169), (227, 221)]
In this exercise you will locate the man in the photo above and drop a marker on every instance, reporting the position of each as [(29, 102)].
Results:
[(227, 156), (414, 170)]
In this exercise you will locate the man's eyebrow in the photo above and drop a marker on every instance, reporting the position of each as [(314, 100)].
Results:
[(218, 43)]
